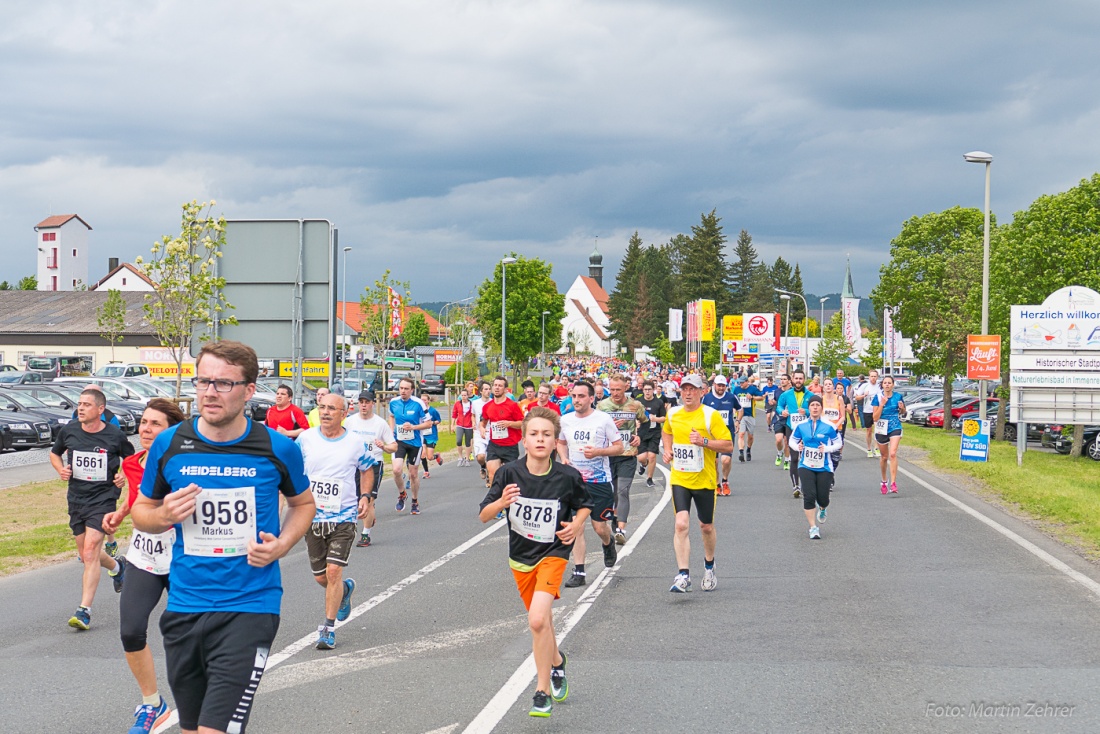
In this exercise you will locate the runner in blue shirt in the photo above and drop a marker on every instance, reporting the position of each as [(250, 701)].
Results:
[(430, 436), (888, 410), (408, 417), (746, 395), (792, 409), (815, 441), (729, 408)]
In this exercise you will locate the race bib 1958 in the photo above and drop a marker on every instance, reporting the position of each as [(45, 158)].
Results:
[(223, 522)]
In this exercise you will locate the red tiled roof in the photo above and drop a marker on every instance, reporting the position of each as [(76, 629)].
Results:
[(355, 317), (126, 266), (58, 219), (592, 324), (597, 292)]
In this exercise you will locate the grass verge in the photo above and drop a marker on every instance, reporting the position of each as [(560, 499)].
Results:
[(1062, 495), (34, 527)]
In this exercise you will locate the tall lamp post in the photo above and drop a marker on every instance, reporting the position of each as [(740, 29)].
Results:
[(503, 315), (805, 324), (787, 333), (978, 156), (542, 354), (344, 325)]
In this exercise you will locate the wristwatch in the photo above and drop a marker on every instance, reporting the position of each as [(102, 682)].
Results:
[(705, 441)]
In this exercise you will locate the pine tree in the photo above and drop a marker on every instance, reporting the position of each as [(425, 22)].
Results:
[(704, 272), (660, 290), (762, 297), (623, 301), (798, 308), (742, 273)]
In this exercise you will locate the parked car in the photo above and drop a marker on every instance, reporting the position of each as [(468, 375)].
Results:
[(26, 404), (432, 383), (1090, 446), (22, 433), (1051, 434), (9, 368), (127, 389), (65, 397), (395, 379), (959, 406), (51, 368), (117, 369), (306, 400), (20, 378), (399, 359)]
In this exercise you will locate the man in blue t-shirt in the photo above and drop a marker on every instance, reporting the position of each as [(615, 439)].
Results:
[(722, 400), (408, 417), (216, 481), (746, 395)]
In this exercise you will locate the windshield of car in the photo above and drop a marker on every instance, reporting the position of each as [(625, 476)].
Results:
[(27, 400), (10, 377), (144, 390), (111, 370), (39, 363), (959, 402)]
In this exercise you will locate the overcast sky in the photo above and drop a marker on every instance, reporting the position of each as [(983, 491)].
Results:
[(438, 136)]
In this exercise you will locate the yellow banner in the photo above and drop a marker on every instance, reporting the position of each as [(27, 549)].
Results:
[(168, 369), (316, 368), (708, 320), (733, 328)]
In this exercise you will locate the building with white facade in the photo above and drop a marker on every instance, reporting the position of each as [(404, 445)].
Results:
[(123, 277), (62, 253), (586, 327)]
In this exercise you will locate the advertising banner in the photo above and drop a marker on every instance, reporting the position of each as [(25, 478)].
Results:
[(850, 309), (733, 328), (675, 325), (447, 357), (975, 441), (708, 320), (1069, 319), (762, 328), (983, 357), (693, 321), (168, 369), (397, 314)]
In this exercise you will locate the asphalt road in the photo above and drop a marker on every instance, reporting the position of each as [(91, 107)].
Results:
[(911, 614)]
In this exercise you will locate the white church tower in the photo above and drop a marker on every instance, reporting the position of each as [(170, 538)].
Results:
[(62, 253)]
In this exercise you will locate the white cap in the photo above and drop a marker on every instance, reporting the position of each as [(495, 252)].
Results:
[(720, 380)]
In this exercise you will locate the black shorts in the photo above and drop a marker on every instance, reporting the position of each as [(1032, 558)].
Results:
[(407, 452), (682, 497), (603, 500), (868, 419), (89, 516), (503, 454), (779, 426), (623, 467), (327, 543), (377, 473), (885, 438), (215, 661), (650, 444)]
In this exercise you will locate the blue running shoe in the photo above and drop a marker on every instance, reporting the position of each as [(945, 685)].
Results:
[(81, 620), (345, 604), (415, 509), (119, 577), (401, 502), (111, 548), (326, 638), (408, 484), (148, 717)]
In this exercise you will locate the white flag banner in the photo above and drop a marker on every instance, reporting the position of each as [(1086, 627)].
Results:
[(675, 324), (850, 308), (888, 333)]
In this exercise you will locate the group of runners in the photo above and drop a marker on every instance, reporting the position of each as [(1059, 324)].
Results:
[(205, 496)]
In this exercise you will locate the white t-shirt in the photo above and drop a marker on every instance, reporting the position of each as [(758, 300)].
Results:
[(331, 464), (868, 392), (596, 429), (367, 430)]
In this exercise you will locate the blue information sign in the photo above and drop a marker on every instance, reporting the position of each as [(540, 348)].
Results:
[(975, 441)]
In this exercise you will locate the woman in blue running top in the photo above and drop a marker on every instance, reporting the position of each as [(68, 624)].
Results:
[(815, 440), (888, 409)]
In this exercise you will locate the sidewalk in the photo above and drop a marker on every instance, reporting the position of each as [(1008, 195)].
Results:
[(16, 475)]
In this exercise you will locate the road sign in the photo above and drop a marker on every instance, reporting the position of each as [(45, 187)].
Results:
[(983, 357)]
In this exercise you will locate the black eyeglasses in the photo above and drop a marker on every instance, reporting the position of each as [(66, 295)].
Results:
[(203, 384)]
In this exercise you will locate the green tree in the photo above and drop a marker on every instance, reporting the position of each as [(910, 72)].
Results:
[(662, 350), (798, 307), (796, 326), (1050, 245), (28, 283), (188, 294), (934, 263), (872, 355), (704, 272), (762, 297), (833, 351), (743, 271), (5, 286), (712, 352), (623, 301), (416, 331), (531, 290), (375, 315), (660, 291), (111, 318)]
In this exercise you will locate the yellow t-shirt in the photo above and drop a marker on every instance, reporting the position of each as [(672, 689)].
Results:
[(679, 424)]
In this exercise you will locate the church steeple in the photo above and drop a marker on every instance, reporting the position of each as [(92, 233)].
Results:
[(849, 291), (595, 264)]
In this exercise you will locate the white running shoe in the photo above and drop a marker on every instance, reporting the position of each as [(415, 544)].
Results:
[(710, 580), (815, 534), (681, 584), (821, 514)]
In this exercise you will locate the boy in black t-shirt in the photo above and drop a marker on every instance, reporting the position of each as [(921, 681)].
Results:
[(547, 505)]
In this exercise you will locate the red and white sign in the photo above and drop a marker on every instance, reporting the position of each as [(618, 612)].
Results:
[(447, 356), (983, 357), (762, 328)]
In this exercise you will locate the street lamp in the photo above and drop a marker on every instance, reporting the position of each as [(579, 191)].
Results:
[(542, 354), (821, 324), (978, 156), (504, 316), (344, 325), (787, 333), (805, 323)]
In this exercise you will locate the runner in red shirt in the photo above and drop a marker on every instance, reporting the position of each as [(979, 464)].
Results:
[(542, 401), (501, 419), (286, 417)]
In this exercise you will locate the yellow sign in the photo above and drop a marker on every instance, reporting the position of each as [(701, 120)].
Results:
[(447, 356), (732, 328), (708, 320), (168, 369), (310, 369)]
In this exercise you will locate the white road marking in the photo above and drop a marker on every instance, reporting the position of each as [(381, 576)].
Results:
[(296, 674), (443, 729), (1027, 545), (295, 647), (499, 705)]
